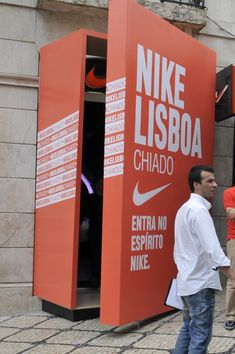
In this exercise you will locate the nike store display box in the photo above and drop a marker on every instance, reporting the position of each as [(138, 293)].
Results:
[(122, 119), (225, 88)]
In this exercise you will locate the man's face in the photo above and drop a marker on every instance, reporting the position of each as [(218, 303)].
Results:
[(207, 185)]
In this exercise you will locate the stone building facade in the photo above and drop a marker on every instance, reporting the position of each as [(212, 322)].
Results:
[(25, 26)]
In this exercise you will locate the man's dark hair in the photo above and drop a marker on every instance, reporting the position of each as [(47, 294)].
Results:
[(195, 174)]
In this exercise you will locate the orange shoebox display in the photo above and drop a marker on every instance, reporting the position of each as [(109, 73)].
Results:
[(159, 121)]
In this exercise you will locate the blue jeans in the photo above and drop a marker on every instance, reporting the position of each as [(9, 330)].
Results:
[(196, 332)]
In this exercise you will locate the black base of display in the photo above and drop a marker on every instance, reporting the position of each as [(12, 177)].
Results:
[(72, 315)]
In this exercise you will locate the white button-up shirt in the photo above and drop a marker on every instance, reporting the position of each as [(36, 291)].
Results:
[(197, 251)]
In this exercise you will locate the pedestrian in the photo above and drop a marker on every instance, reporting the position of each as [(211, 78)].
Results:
[(229, 206), (198, 256)]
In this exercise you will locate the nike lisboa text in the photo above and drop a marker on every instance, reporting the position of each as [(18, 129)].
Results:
[(159, 82)]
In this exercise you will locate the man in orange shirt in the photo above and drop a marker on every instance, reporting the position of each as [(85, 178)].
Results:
[(229, 206)]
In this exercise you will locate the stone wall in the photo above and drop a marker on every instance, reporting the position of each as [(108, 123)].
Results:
[(18, 121), (219, 35), (25, 26)]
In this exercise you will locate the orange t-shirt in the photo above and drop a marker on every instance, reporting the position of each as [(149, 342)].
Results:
[(229, 201)]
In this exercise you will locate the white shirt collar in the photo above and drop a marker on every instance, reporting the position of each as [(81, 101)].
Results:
[(201, 199)]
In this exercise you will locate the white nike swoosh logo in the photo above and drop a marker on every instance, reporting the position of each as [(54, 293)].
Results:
[(141, 198)]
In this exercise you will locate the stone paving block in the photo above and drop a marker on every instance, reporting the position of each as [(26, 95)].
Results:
[(73, 337), (96, 350), (130, 327), (41, 313), (23, 321), (4, 318), (57, 323), (220, 306), (10, 348), (221, 345), (219, 317), (32, 335), (178, 317), (116, 339), (59, 336), (171, 328), (157, 341), (6, 332), (92, 325), (144, 351), (50, 349), (146, 327), (220, 331), (171, 315)]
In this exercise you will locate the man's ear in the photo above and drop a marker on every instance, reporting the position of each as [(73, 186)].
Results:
[(195, 185)]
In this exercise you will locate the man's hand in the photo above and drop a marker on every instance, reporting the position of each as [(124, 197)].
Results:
[(232, 286), (230, 275), (230, 212)]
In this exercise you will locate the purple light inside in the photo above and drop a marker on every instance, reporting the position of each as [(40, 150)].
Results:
[(88, 185)]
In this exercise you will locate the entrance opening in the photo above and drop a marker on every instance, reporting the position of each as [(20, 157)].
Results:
[(89, 264), (91, 201)]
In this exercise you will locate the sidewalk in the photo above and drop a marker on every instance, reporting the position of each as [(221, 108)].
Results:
[(43, 333)]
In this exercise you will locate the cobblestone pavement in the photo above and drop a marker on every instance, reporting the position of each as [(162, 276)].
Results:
[(46, 334)]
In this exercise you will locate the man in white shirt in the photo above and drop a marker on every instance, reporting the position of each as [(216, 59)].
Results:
[(198, 255)]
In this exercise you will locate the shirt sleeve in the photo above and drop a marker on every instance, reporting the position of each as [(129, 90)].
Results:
[(205, 231), (228, 199)]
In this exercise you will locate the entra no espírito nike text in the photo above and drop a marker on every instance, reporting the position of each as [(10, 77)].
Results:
[(146, 239)]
